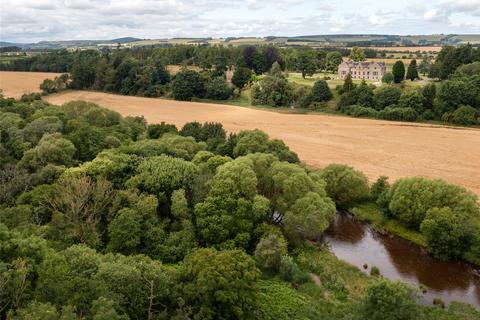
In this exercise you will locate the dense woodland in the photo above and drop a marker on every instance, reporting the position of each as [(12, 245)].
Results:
[(105, 217), (454, 97)]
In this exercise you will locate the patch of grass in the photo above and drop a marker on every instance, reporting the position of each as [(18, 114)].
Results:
[(278, 300), (371, 213), (341, 280), (456, 311), (8, 59)]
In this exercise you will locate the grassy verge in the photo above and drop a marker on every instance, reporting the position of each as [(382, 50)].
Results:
[(370, 212)]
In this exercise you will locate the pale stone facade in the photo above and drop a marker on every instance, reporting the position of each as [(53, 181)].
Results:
[(362, 70)]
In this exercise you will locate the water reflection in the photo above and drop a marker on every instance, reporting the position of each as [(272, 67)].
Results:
[(399, 259)]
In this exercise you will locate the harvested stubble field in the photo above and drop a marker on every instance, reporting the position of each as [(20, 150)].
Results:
[(394, 149), (15, 84), (434, 49)]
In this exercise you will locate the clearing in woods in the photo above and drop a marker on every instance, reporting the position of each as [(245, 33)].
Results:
[(394, 149)]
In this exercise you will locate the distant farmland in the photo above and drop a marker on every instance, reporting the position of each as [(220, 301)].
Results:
[(433, 49), (15, 84)]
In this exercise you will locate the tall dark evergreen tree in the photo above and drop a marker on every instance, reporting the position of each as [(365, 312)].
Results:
[(412, 72), (398, 72)]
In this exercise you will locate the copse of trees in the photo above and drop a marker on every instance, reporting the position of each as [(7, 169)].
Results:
[(442, 212), (450, 58), (273, 90)]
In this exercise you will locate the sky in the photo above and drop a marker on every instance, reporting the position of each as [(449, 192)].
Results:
[(36, 20)]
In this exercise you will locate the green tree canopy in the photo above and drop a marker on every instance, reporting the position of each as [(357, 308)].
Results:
[(221, 284), (345, 185), (386, 300), (357, 54)]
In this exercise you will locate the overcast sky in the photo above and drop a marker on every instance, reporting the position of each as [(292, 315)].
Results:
[(35, 20)]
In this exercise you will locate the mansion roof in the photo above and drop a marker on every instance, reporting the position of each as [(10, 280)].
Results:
[(362, 64)]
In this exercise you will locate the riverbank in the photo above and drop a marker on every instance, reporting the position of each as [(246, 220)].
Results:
[(395, 258), (370, 212), (342, 285)]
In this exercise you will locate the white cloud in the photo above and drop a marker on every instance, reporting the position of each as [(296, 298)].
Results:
[(378, 20), (435, 15), (34, 20)]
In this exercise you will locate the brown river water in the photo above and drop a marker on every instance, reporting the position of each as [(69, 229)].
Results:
[(398, 259)]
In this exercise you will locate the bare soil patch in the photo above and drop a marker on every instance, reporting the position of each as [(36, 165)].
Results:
[(394, 149), (15, 84)]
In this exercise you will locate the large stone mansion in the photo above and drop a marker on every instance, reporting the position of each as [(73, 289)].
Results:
[(362, 70)]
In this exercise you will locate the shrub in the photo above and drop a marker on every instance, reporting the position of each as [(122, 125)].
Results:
[(359, 111), (380, 186), (386, 96), (270, 250), (389, 300), (398, 114), (345, 185), (321, 92), (375, 271), (428, 115), (465, 115), (155, 131), (273, 90), (447, 233), (412, 99), (387, 78), (241, 77), (289, 271), (438, 302), (218, 89)]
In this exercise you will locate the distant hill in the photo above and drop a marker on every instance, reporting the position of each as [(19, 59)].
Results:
[(63, 44), (125, 40), (338, 40)]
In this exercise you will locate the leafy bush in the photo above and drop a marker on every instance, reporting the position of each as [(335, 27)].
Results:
[(389, 300), (289, 271), (413, 100), (379, 187), (465, 115), (320, 92), (345, 185), (270, 250), (387, 78), (218, 89), (241, 77), (155, 131), (448, 233), (273, 90), (398, 114), (360, 111)]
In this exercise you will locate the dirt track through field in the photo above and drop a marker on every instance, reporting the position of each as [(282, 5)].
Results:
[(375, 147), (15, 84)]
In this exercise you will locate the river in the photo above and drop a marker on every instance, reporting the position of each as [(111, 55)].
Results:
[(399, 259)]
